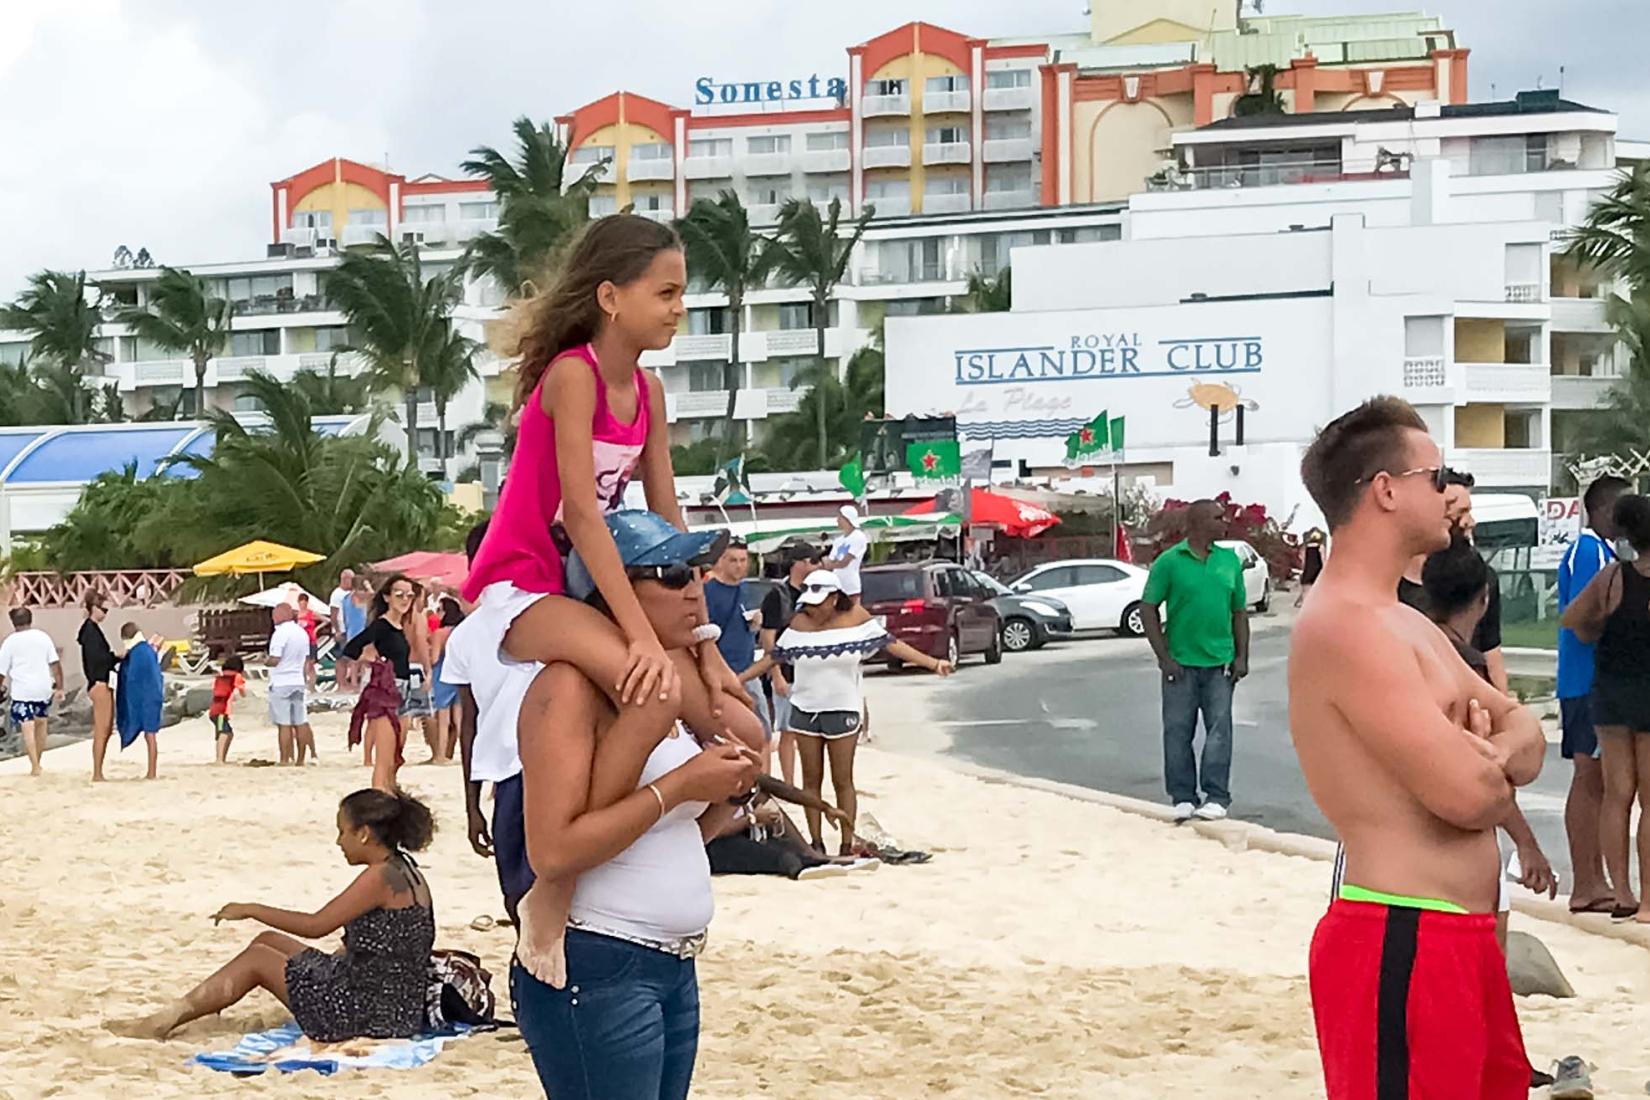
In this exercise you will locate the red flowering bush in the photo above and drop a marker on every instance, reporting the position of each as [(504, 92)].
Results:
[(1247, 522)]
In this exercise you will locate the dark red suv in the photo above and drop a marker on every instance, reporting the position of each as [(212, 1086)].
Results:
[(934, 607)]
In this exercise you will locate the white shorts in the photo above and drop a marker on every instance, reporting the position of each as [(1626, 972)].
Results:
[(501, 604)]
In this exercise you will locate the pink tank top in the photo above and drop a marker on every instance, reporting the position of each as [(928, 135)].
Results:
[(521, 544)]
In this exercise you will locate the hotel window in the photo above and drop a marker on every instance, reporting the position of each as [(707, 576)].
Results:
[(706, 377), (885, 87), (651, 150), (591, 154), (425, 214), (603, 205), (795, 315), (831, 139), (947, 135), (331, 338), (769, 194), (707, 322), (1007, 178), (247, 403), (946, 84), (260, 342), (887, 189), (478, 211), (318, 220), (368, 217), (710, 147), (1000, 126), (651, 200), (824, 190), (771, 143), (1008, 78), (887, 137), (790, 370), (708, 190), (946, 185)]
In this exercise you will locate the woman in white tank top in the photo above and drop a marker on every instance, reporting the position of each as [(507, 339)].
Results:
[(826, 643), (625, 1026)]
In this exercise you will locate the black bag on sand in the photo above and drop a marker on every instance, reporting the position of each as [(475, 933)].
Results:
[(460, 992)]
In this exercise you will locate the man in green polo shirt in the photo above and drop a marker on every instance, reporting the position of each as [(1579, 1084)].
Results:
[(1203, 651)]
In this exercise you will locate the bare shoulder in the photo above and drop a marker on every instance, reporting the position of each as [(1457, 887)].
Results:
[(655, 388), (854, 616), (567, 376)]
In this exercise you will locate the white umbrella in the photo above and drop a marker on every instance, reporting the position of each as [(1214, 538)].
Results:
[(282, 593)]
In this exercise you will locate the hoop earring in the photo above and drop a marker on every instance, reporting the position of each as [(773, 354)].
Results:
[(613, 318)]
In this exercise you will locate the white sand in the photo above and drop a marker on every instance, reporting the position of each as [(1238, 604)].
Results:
[(1053, 948)]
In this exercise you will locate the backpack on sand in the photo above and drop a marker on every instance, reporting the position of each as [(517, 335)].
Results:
[(460, 991)]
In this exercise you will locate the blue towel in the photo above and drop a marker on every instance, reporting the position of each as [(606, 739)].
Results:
[(140, 693), (287, 1050)]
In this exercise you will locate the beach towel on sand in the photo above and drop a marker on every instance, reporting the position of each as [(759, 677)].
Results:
[(140, 694), (287, 1050)]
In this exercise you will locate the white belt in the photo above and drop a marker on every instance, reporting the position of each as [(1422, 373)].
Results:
[(688, 947)]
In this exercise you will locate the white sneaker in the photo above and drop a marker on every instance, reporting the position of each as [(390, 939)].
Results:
[(1211, 811), (1184, 811)]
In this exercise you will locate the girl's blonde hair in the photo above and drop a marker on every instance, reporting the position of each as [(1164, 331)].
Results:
[(615, 249)]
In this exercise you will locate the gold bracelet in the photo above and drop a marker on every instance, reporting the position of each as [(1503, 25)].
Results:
[(661, 799)]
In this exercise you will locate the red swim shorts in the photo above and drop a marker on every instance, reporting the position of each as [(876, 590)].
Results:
[(1414, 1005)]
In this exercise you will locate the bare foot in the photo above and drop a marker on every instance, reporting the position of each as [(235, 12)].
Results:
[(156, 1025), (34, 773), (542, 918)]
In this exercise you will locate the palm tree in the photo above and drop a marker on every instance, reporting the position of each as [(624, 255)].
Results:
[(1615, 238), (811, 249), (451, 367), (329, 392), (724, 252), (537, 214), (400, 319), (1621, 425), (184, 316), (988, 295), (844, 403), (61, 319)]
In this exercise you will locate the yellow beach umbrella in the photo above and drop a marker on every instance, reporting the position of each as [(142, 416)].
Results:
[(257, 556)]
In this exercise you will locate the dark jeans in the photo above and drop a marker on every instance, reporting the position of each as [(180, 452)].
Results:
[(1209, 691), (625, 1028), (515, 874)]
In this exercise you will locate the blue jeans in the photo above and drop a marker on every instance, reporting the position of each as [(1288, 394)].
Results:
[(1209, 691), (625, 1028)]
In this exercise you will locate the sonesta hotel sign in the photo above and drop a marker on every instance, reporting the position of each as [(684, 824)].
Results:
[(1109, 355), (708, 92)]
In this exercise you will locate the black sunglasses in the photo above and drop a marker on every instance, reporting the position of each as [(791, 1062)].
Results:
[(674, 577), (1440, 476)]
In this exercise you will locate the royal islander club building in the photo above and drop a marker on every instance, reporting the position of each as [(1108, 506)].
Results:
[(1059, 152)]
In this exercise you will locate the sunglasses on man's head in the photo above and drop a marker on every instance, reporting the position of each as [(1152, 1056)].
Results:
[(675, 577), (1440, 476)]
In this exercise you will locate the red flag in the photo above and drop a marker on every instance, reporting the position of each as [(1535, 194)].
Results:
[(1123, 551)]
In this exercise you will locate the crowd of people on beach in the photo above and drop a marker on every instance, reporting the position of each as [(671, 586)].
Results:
[(626, 690)]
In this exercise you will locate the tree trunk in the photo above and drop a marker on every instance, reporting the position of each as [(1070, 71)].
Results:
[(201, 360), (821, 306), (411, 405), (441, 435), (732, 374)]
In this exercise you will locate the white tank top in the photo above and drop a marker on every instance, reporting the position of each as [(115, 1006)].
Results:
[(827, 663), (659, 887)]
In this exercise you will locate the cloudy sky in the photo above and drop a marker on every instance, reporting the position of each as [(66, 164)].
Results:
[(160, 123)]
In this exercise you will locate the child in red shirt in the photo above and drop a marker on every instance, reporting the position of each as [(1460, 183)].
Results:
[(229, 683)]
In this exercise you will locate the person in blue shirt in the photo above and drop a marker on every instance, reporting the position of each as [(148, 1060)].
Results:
[(725, 603), (1591, 552)]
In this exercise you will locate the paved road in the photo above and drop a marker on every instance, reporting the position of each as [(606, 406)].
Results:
[(1086, 712)]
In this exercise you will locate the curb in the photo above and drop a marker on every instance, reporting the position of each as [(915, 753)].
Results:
[(1241, 836)]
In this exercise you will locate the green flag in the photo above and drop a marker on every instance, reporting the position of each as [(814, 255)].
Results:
[(936, 458), (1091, 439), (1117, 436), (852, 476)]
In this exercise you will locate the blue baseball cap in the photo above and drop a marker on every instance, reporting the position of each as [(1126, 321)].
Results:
[(647, 539)]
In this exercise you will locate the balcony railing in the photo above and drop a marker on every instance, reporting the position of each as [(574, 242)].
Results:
[(235, 368), (1263, 175), (362, 234), (886, 156), (766, 164), (1009, 99), (300, 235), (163, 372), (873, 106), (763, 213), (707, 168), (701, 403), (1580, 391), (793, 342), (665, 214), (715, 346), (826, 160), (650, 168), (934, 103), (1515, 383), (1523, 292), (1008, 200), (577, 170), (785, 400), (889, 206), (946, 202), (468, 229), (1503, 468), (1425, 372), (945, 152), (265, 304), (1006, 150)]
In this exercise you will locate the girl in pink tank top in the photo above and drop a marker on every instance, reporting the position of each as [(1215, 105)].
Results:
[(592, 420)]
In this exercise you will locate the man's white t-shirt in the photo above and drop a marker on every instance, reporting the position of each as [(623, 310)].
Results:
[(499, 686), (852, 546), (290, 644), (26, 659), (336, 602)]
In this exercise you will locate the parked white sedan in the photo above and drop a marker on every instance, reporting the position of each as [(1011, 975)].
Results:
[(1257, 578), (1102, 594)]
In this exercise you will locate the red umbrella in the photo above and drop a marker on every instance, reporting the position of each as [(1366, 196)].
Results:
[(1017, 518), (448, 569)]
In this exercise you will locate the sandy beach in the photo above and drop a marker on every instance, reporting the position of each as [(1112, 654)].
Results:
[(1053, 947)]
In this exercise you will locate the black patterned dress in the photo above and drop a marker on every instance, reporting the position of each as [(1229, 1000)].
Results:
[(375, 987)]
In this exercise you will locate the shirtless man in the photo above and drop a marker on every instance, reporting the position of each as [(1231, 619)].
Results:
[(1413, 759)]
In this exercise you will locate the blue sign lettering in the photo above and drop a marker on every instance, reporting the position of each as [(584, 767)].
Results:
[(708, 91), (1108, 355)]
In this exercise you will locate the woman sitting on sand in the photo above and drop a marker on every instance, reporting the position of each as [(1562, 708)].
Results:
[(374, 985)]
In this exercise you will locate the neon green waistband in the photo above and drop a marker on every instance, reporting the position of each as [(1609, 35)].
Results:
[(1397, 901)]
